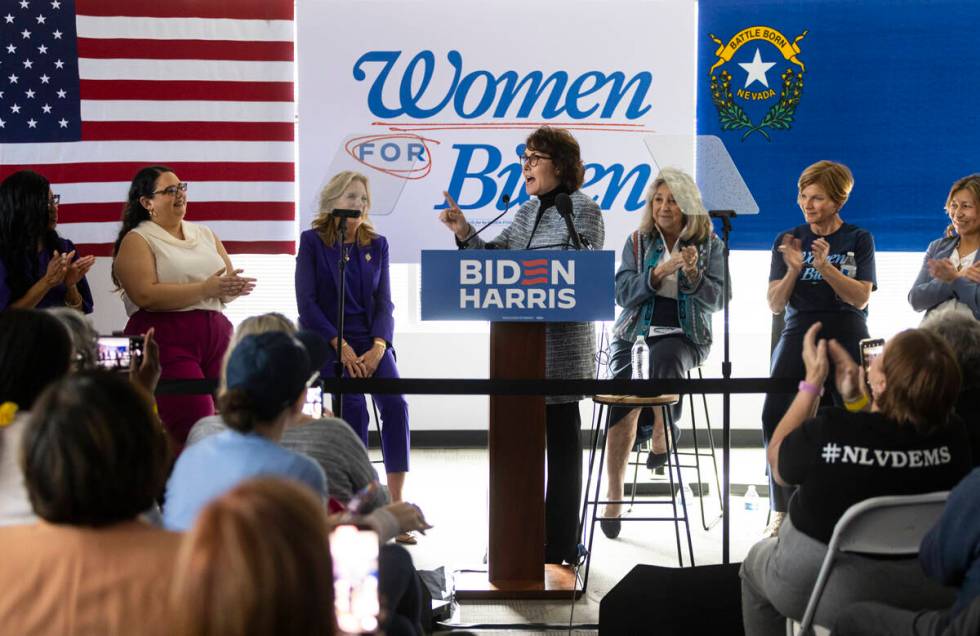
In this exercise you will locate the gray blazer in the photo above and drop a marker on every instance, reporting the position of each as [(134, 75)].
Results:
[(927, 292), (570, 353)]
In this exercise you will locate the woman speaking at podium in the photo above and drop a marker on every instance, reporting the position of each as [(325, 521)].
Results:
[(552, 165)]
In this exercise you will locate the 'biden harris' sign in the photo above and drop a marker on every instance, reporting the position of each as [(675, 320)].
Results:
[(517, 286)]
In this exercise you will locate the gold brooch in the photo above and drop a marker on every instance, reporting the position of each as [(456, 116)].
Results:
[(367, 257)]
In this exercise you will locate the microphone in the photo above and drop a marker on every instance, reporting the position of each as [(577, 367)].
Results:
[(505, 199), (342, 213), (563, 203)]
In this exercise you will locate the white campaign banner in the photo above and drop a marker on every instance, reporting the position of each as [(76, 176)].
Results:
[(427, 96)]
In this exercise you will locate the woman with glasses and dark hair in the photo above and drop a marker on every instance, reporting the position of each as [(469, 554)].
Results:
[(38, 268), (94, 458), (950, 276), (552, 166), (369, 322), (176, 278)]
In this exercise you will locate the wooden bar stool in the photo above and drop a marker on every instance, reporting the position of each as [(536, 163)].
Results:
[(673, 473)]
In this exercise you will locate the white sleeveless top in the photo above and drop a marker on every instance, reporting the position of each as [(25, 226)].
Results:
[(191, 260)]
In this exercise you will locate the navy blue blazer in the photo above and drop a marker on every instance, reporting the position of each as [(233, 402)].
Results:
[(318, 281)]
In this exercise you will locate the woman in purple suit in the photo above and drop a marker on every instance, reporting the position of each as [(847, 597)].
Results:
[(368, 321)]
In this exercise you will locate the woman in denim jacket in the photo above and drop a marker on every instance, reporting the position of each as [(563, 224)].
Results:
[(669, 283), (950, 274)]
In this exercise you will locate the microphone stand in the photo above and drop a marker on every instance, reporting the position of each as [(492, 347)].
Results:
[(338, 365), (726, 373)]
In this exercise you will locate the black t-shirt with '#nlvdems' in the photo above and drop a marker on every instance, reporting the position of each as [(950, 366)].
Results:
[(839, 458)]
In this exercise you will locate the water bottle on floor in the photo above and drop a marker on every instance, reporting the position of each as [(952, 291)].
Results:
[(641, 359)]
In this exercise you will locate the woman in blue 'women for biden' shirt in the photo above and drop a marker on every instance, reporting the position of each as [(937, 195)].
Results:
[(38, 268), (812, 277), (369, 323)]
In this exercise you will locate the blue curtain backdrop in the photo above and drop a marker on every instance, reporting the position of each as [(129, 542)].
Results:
[(889, 88)]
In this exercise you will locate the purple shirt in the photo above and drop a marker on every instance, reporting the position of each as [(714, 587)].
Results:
[(56, 296)]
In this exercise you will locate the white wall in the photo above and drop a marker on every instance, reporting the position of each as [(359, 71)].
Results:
[(460, 349)]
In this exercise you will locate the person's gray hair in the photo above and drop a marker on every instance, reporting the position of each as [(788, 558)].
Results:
[(84, 337), (962, 332)]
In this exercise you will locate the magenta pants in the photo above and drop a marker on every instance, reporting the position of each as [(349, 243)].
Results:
[(192, 345)]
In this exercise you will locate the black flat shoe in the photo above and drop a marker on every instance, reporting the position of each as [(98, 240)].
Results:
[(655, 460), (610, 527)]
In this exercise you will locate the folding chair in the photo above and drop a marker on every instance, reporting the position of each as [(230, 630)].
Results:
[(891, 526)]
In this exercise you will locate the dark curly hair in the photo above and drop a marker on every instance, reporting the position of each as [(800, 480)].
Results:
[(134, 213), (25, 224), (564, 151)]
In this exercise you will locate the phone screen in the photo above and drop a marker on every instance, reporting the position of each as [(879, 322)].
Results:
[(314, 403), (871, 348), (354, 552), (114, 352)]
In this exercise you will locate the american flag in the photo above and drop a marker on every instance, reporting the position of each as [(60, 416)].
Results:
[(93, 90)]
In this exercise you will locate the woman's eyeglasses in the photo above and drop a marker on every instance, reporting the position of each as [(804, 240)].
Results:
[(532, 160), (173, 190), (54, 200)]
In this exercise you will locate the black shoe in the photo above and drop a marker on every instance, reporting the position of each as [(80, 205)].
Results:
[(655, 460), (610, 527)]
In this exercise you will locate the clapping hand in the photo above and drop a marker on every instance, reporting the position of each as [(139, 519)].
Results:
[(848, 374), (76, 271), (664, 269), (453, 218), (228, 286), (689, 256), (942, 269), (971, 273), (57, 268), (792, 251), (821, 250), (815, 356)]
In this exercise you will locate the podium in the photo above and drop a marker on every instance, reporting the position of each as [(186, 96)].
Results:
[(519, 292)]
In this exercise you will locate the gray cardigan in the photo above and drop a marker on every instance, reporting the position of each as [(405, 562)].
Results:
[(570, 353), (927, 292)]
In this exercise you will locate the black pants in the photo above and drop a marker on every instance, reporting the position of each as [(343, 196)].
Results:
[(787, 362), (400, 591), (564, 487)]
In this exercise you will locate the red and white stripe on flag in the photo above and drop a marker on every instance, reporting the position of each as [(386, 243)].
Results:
[(202, 86)]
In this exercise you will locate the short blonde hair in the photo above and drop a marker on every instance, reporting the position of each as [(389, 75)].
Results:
[(697, 224), (326, 225), (256, 562), (834, 178)]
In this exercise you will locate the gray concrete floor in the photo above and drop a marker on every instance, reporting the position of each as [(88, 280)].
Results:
[(450, 486)]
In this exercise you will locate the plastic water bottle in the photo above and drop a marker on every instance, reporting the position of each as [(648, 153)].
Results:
[(751, 499), (641, 359), (849, 267)]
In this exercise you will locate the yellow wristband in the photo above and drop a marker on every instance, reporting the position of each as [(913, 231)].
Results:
[(857, 405), (382, 343)]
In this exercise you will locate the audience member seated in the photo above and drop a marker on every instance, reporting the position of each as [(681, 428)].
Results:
[(84, 337), (94, 457), (950, 554), (258, 562), (35, 350), (328, 440), (266, 382), (908, 443), (962, 332)]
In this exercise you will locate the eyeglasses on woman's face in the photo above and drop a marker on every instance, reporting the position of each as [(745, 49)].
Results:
[(54, 200), (531, 160), (172, 190)]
